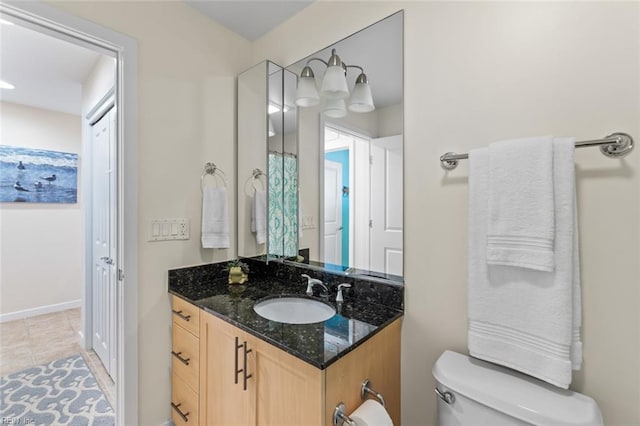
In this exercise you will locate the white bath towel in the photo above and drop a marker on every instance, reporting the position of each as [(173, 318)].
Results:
[(522, 318), (215, 222), (521, 212), (259, 216)]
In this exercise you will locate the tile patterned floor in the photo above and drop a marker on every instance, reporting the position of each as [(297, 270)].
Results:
[(37, 340)]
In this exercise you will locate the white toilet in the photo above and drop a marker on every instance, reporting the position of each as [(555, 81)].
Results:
[(472, 392)]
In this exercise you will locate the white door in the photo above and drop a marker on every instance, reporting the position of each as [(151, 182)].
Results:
[(386, 205), (103, 237), (332, 212)]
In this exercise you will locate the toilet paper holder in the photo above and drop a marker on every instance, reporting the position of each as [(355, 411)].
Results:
[(340, 416), (340, 413), (366, 389)]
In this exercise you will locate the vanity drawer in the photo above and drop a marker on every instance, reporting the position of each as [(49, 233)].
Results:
[(186, 315), (184, 403), (186, 356)]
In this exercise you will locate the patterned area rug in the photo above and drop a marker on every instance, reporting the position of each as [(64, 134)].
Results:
[(63, 392)]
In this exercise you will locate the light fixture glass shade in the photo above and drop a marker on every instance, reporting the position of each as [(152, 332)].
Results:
[(307, 92), (272, 131), (335, 108), (361, 98), (334, 84), (6, 85)]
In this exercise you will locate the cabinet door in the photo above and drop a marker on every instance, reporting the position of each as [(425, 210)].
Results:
[(222, 401), (284, 389)]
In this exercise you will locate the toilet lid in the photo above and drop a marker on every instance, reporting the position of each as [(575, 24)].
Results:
[(516, 394)]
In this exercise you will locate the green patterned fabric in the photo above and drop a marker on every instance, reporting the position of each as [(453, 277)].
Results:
[(283, 205)]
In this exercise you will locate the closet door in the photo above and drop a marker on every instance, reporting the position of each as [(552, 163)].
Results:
[(103, 236)]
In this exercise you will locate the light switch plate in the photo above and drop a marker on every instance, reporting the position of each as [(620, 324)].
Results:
[(168, 229), (308, 222)]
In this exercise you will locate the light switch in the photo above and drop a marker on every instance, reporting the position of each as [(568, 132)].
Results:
[(168, 229)]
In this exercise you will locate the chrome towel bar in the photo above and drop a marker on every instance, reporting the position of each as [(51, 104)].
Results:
[(616, 145)]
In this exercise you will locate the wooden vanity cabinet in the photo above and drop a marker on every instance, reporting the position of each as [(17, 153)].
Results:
[(280, 389), (283, 390)]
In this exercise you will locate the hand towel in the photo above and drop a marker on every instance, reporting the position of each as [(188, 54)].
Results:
[(521, 209), (215, 223), (526, 319), (259, 216)]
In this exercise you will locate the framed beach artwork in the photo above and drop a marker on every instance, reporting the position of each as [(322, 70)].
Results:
[(37, 176)]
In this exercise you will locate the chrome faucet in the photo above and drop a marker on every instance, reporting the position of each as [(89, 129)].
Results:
[(314, 281), (339, 297)]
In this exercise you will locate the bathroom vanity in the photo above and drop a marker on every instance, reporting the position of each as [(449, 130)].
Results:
[(233, 367)]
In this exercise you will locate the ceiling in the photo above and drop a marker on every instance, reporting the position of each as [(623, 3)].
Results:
[(250, 19), (47, 72)]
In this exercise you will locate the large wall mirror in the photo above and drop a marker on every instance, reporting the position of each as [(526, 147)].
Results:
[(267, 163), (350, 152)]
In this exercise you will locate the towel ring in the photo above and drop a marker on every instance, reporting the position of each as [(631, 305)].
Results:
[(257, 173), (210, 169), (255, 176)]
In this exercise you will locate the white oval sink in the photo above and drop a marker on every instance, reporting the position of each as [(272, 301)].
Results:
[(294, 310)]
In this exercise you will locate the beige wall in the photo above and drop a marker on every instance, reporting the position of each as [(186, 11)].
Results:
[(479, 72), (186, 117), (41, 244), (100, 81)]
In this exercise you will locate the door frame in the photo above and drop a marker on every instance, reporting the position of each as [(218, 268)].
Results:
[(356, 239), (52, 21)]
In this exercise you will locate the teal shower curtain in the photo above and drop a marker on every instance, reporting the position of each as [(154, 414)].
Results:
[(283, 205)]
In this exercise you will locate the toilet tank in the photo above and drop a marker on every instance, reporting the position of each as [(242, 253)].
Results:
[(488, 394)]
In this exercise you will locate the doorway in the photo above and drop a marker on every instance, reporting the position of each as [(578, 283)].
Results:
[(49, 20), (346, 197)]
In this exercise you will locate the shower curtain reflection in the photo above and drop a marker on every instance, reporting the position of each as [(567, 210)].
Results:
[(283, 204)]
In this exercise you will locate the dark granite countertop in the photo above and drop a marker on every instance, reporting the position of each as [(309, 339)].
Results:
[(319, 344)]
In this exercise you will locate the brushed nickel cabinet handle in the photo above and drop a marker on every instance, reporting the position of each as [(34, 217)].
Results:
[(185, 361), (181, 315), (246, 376), (236, 361), (179, 411)]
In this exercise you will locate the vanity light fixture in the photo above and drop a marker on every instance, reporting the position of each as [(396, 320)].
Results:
[(335, 108), (5, 85), (334, 88)]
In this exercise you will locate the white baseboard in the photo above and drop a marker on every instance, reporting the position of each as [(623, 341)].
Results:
[(27, 313), (167, 423)]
